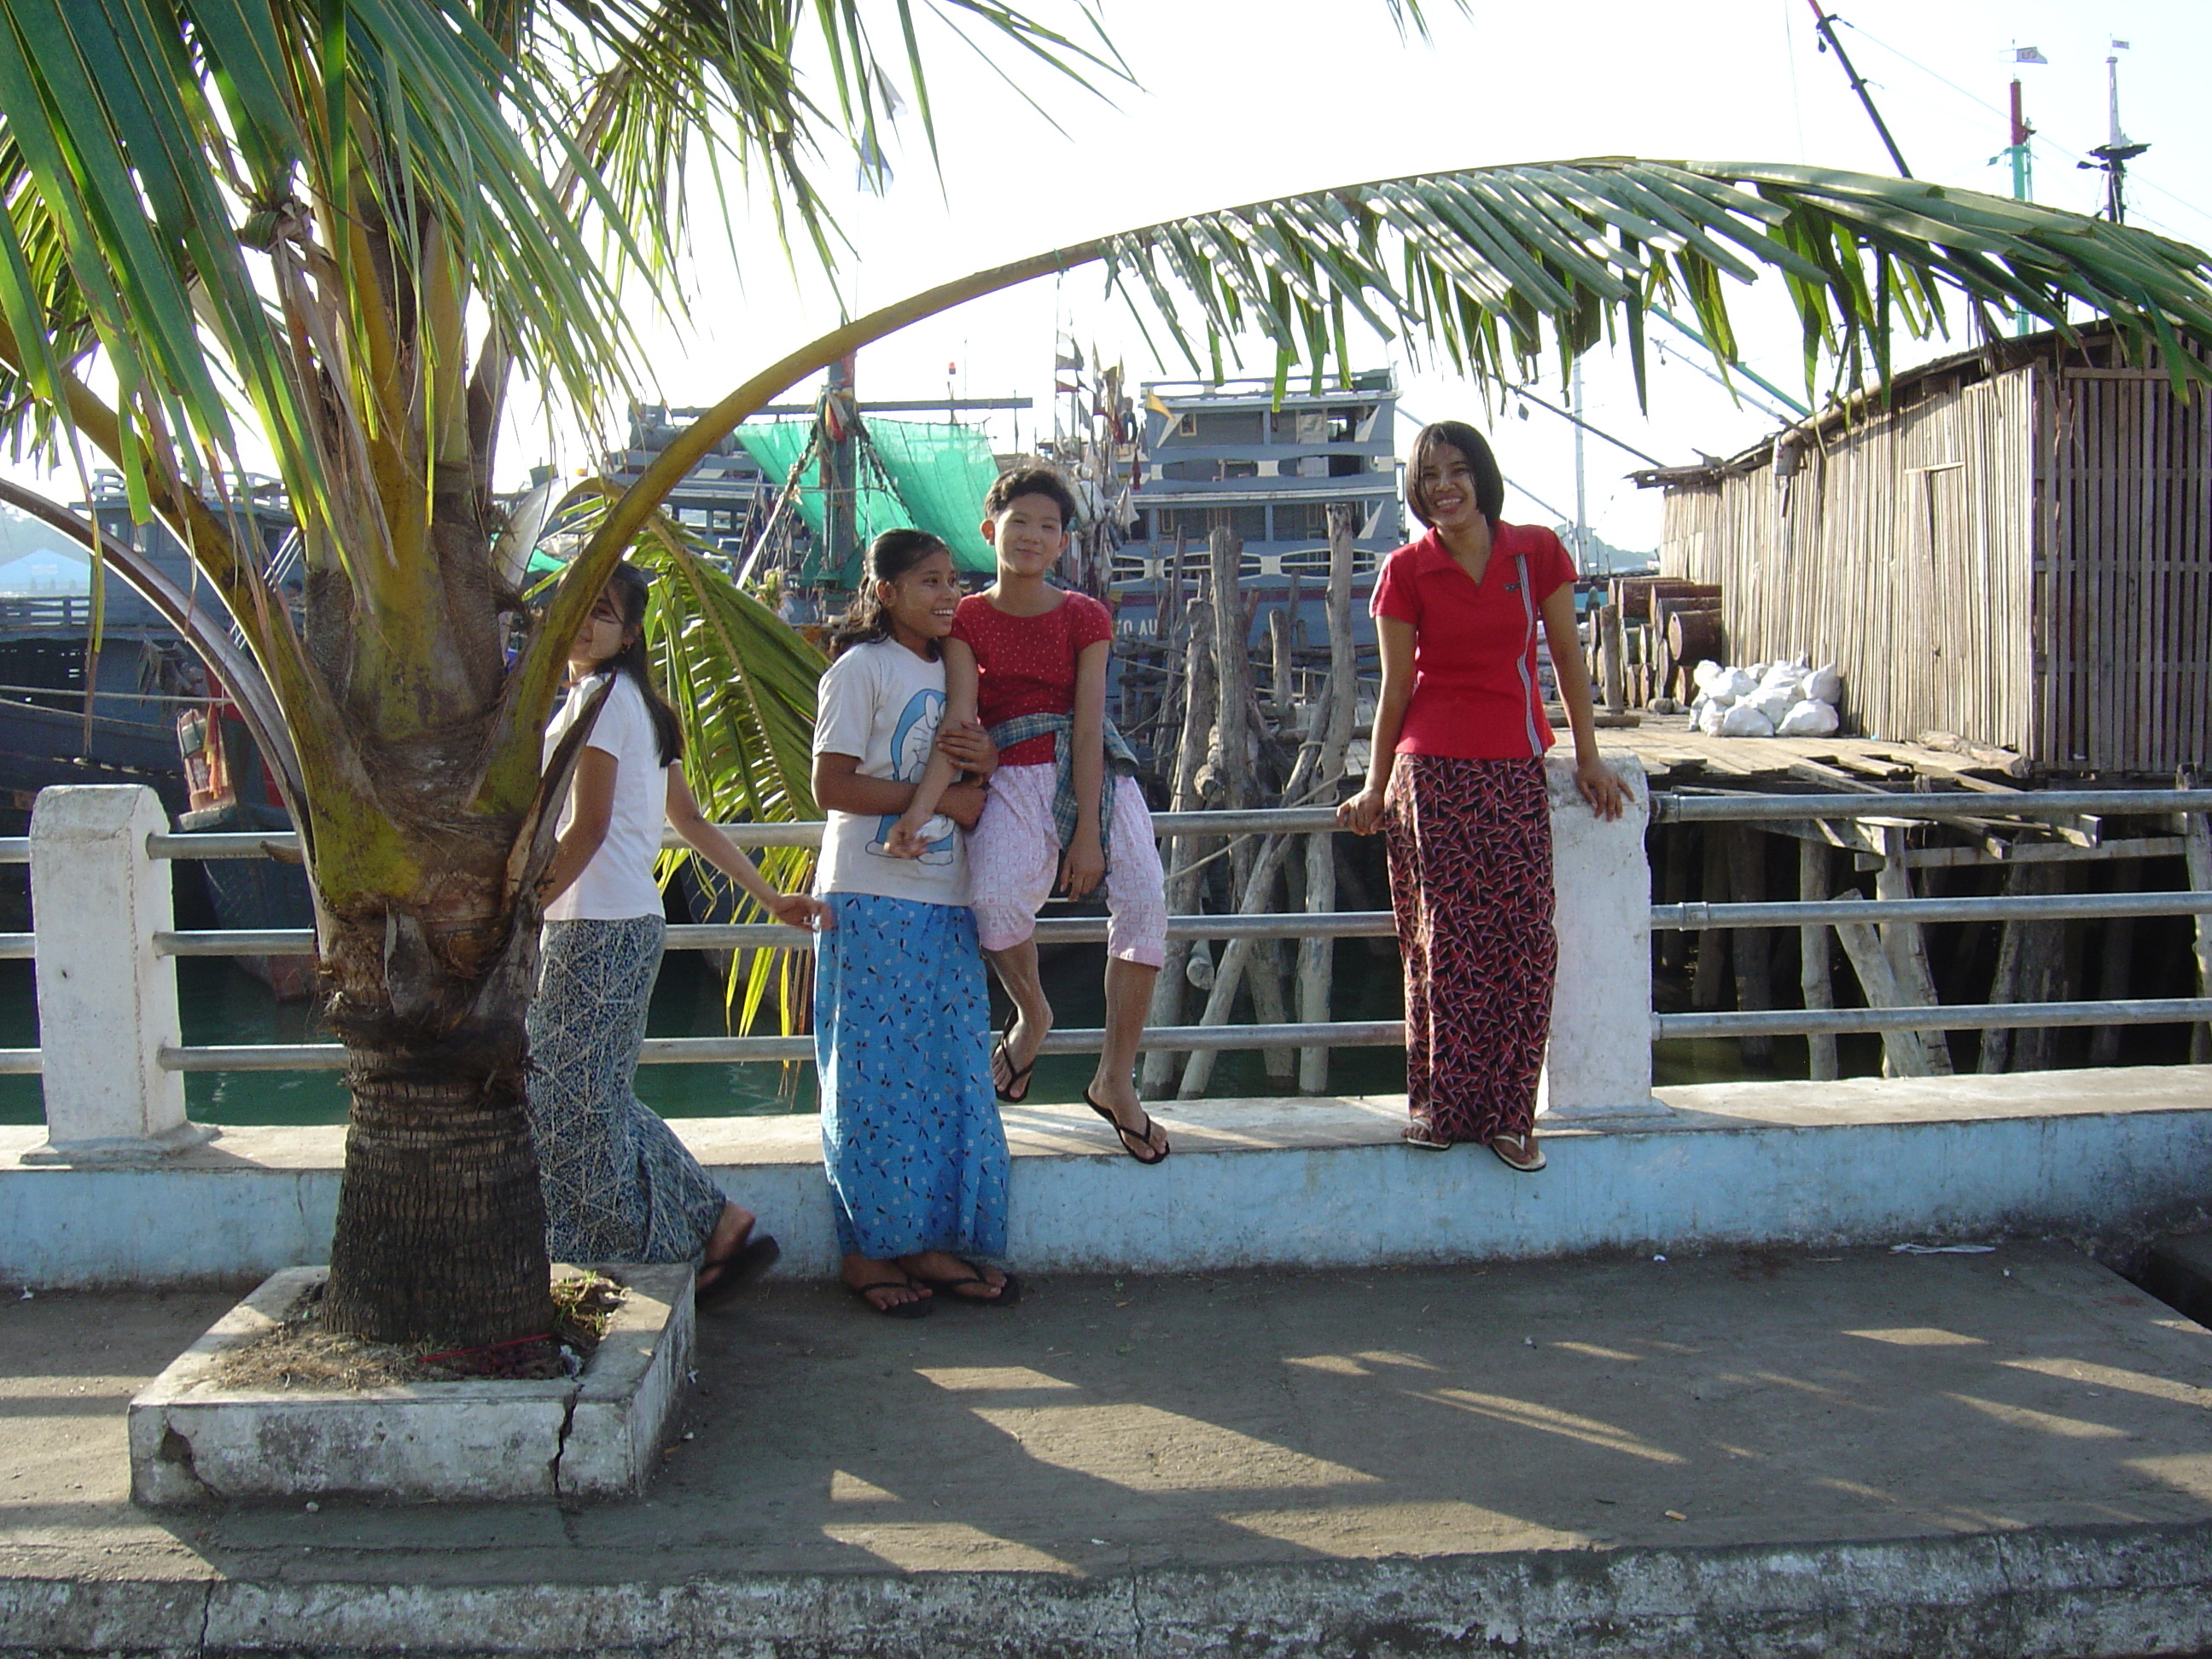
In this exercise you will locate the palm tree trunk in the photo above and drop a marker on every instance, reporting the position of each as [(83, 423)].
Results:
[(440, 1233), (440, 1230)]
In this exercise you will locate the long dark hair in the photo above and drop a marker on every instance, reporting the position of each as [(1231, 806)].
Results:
[(1489, 481), (890, 555), (631, 589)]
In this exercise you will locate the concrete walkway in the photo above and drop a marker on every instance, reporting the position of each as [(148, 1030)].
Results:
[(1835, 1452)]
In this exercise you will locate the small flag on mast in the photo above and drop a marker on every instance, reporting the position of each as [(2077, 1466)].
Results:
[(2028, 55)]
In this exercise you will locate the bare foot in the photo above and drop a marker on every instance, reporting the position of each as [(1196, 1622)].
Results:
[(1014, 1054), (732, 1229), (1118, 1095), (882, 1284), (958, 1277)]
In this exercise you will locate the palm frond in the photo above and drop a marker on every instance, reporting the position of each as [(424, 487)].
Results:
[(1495, 268), (1489, 266)]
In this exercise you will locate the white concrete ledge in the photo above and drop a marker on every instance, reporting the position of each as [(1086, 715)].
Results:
[(2109, 1154)]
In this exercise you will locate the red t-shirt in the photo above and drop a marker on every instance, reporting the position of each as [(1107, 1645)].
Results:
[(1474, 647), (1026, 665)]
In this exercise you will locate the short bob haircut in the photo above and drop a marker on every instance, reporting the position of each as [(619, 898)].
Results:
[(1489, 481), (1011, 487)]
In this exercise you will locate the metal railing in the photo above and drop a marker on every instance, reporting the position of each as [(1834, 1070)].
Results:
[(1665, 808)]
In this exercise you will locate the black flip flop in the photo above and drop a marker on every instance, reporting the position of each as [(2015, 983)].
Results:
[(920, 1308), (740, 1268), (1009, 1292), (1013, 1077), (1131, 1138)]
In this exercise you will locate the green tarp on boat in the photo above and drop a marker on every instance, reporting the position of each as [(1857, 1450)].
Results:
[(937, 475)]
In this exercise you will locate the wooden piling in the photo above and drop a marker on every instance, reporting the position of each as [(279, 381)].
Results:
[(1905, 942), (2015, 947), (1712, 942), (1903, 1053), (1813, 955), (1183, 882), (2115, 949), (1334, 725), (1752, 950)]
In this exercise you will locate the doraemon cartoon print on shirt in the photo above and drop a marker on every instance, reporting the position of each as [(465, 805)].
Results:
[(912, 738)]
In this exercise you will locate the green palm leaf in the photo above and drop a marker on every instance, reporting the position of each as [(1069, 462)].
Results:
[(1526, 247)]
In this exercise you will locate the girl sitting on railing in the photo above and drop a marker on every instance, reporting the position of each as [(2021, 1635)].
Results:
[(619, 1186), (911, 1140), (1029, 659)]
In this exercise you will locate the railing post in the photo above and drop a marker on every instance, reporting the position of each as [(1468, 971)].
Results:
[(1599, 1058), (107, 1001)]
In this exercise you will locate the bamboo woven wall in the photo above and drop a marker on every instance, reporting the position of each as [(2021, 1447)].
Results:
[(2124, 598), (1899, 547)]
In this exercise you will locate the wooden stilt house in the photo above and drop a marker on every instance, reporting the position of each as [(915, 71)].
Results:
[(2014, 547)]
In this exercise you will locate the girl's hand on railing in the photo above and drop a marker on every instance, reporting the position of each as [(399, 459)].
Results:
[(1602, 788), (1363, 813)]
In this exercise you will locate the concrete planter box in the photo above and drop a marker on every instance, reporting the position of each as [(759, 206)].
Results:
[(595, 1436)]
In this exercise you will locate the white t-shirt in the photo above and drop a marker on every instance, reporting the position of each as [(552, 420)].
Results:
[(882, 703), (618, 884)]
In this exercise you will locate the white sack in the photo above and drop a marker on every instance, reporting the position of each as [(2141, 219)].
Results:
[(1809, 719), (1825, 685), (1705, 673), (1709, 721), (1773, 702), (1744, 720)]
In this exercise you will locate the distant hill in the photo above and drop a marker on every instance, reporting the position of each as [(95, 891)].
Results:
[(33, 559), (1604, 559)]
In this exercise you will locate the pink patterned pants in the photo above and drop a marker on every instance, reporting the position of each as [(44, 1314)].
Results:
[(1013, 860)]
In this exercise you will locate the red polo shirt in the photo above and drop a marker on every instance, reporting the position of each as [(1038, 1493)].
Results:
[(1026, 665), (1474, 646)]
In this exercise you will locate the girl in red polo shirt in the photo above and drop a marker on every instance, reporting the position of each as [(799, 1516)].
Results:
[(1456, 783)]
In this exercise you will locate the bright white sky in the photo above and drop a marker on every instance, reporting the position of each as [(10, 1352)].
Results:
[(1240, 101)]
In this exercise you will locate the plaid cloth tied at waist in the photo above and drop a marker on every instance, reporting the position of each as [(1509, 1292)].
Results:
[(1120, 762)]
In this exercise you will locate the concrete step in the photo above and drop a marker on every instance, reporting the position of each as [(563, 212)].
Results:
[(2114, 1156)]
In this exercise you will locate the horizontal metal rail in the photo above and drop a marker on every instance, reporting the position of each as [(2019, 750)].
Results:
[(2011, 907), (1346, 1034), (21, 1062), (1667, 807), (1676, 808), (1335, 924), (730, 1050), (755, 935), (1944, 1017)]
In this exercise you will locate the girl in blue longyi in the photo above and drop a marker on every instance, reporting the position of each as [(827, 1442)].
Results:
[(910, 1134)]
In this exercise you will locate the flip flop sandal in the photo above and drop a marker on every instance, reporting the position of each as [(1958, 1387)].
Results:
[(1015, 1079), (1135, 1142), (1425, 1136), (920, 1308), (1009, 1292), (1518, 1167), (738, 1269)]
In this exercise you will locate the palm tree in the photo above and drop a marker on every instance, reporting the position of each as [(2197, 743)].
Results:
[(349, 224)]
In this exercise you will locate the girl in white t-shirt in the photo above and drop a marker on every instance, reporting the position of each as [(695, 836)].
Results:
[(619, 1186), (911, 1140)]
